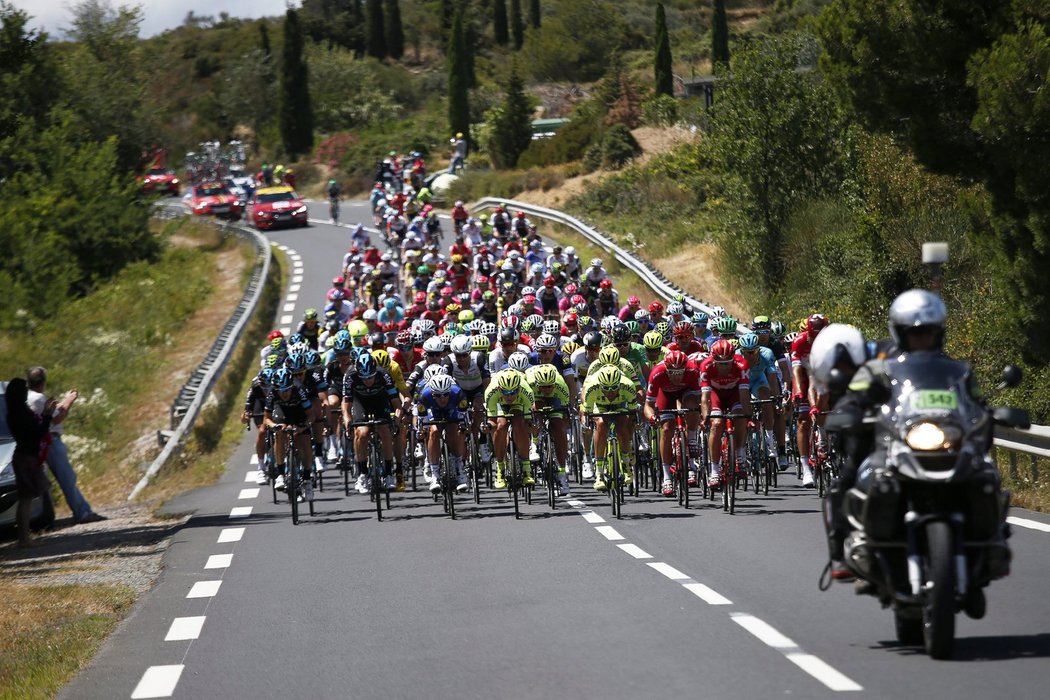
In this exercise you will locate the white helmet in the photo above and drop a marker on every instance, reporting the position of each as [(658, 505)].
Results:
[(836, 343), (546, 341), (570, 251), (441, 384), (915, 308), (519, 361), (434, 344), (461, 344), (432, 371), (370, 315)]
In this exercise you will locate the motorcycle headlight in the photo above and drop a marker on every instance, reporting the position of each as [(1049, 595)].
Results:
[(929, 437)]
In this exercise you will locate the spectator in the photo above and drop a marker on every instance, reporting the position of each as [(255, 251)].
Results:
[(459, 153), (58, 456), (30, 434)]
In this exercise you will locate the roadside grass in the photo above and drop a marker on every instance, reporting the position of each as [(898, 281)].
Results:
[(218, 430), (51, 632), (1026, 491), (121, 346)]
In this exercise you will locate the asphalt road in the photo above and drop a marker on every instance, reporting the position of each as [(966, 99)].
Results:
[(666, 602)]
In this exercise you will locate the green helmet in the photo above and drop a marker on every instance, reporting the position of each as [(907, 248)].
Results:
[(422, 270), (634, 328), (726, 325), (310, 314)]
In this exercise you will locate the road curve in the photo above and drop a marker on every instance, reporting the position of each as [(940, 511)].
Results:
[(666, 602)]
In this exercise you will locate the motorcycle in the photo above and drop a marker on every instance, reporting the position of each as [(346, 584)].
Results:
[(927, 525)]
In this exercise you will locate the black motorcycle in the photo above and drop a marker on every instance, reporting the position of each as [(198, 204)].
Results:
[(927, 518)]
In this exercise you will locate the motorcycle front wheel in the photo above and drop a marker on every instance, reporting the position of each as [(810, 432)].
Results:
[(938, 611)]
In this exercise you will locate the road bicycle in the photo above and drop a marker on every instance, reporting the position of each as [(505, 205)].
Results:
[(615, 462), (680, 453), (377, 491), (447, 473)]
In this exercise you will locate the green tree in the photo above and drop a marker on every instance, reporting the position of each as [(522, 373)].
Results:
[(264, 41), (470, 38), (777, 134), (534, 14), (295, 114), (517, 26), (500, 33), (961, 84), (511, 123), (28, 75), (395, 35), (458, 89), (375, 41), (720, 35), (575, 42), (664, 75)]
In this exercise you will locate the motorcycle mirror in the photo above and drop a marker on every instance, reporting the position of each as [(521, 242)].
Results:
[(1012, 375)]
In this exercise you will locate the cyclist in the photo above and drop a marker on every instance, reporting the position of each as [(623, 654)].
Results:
[(725, 389), (333, 201), (254, 406), (287, 412), (442, 400), (310, 328), (800, 350), (369, 394), (508, 403), (607, 390), (655, 352), (675, 383), (470, 370), (685, 338), (762, 378), (551, 391), (770, 335)]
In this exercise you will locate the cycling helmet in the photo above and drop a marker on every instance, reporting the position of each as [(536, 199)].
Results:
[(790, 338), (816, 322), (683, 329), (295, 363), (641, 315), (461, 345), (489, 329), (282, 380), (266, 377), (552, 327), (390, 304), (664, 329), (699, 319), (653, 340), (778, 329), (453, 329), (419, 298), (527, 326), (335, 295), (749, 341), (403, 338), (675, 308), (508, 335), (417, 336), (313, 360), (453, 308), (546, 341), (537, 320), (488, 295), (433, 370), (605, 284), (634, 328), (592, 340), (341, 346), (511, 321), (426, 326), (382, 358), (633, 301), (570, 289), (509, 382), (723, 351), (480, 342), (338, 281), (609, 355), (596, 262), (656, 307), (726, 325), (434, 344), (761, 323), (569, 348), (357, 329), (310, 314), (545, 375), (441, 385), (367, 366), (466, 315), (675, 360), (620, 333), (519, 361), (609, 377), (718, 311)]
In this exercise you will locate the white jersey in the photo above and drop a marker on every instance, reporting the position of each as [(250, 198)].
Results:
[(580, 363), (473, 376), (498, 361)]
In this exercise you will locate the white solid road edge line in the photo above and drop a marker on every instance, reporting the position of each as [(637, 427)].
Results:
[(809, 663), (158, 682), (1030, 524), (184, 629)]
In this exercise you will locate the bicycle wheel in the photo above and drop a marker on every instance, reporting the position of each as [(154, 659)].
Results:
[(348, 459), (514, 483), (682, 461), (448, 481), (731, 487), (757, 461), (549, 470), (615, 487), (375, 473), (475, 467), (293, 484)]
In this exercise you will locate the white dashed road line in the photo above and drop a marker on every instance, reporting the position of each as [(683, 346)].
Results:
[(219, 561), (668, 571), (609, 532), (158, 682), (230, 534), (708, 595), (248, 493), (635, 551), (240, 512), (204, 589), (184, 628), (1030, 524)]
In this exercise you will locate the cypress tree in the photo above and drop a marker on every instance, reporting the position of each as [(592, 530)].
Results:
[(512, 131), (664, 77), (470, 38), (264, 42), (375, 41), (295, 115), (534, 13), (720, 35), (395, 34), (458, 96), (499, 22), (517, 27)]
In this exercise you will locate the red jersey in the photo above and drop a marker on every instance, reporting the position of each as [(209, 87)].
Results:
[(459, 249), (407, 360), (660, 382), (460, 213), (372, 257), (724, 377), (800, 350), (459, 276)]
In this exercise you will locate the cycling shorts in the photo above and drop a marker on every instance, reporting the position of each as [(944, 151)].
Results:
[(667, 400), (375, 409), (726, 401)]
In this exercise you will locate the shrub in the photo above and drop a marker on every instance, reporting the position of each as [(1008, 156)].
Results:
[(618, 147)]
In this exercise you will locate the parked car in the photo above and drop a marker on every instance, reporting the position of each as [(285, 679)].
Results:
[(213, 198), (160, 180), (270, 207), (43, 512)]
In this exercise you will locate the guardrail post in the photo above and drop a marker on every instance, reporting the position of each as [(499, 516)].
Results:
[(1035, 469)]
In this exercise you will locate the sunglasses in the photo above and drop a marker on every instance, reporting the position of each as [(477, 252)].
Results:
[(512, 392)]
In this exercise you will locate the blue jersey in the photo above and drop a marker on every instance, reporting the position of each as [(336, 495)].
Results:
[(454, 410), (558, 362)]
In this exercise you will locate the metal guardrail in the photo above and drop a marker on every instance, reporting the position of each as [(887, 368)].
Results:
[(1034, 442), (191, 397)]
